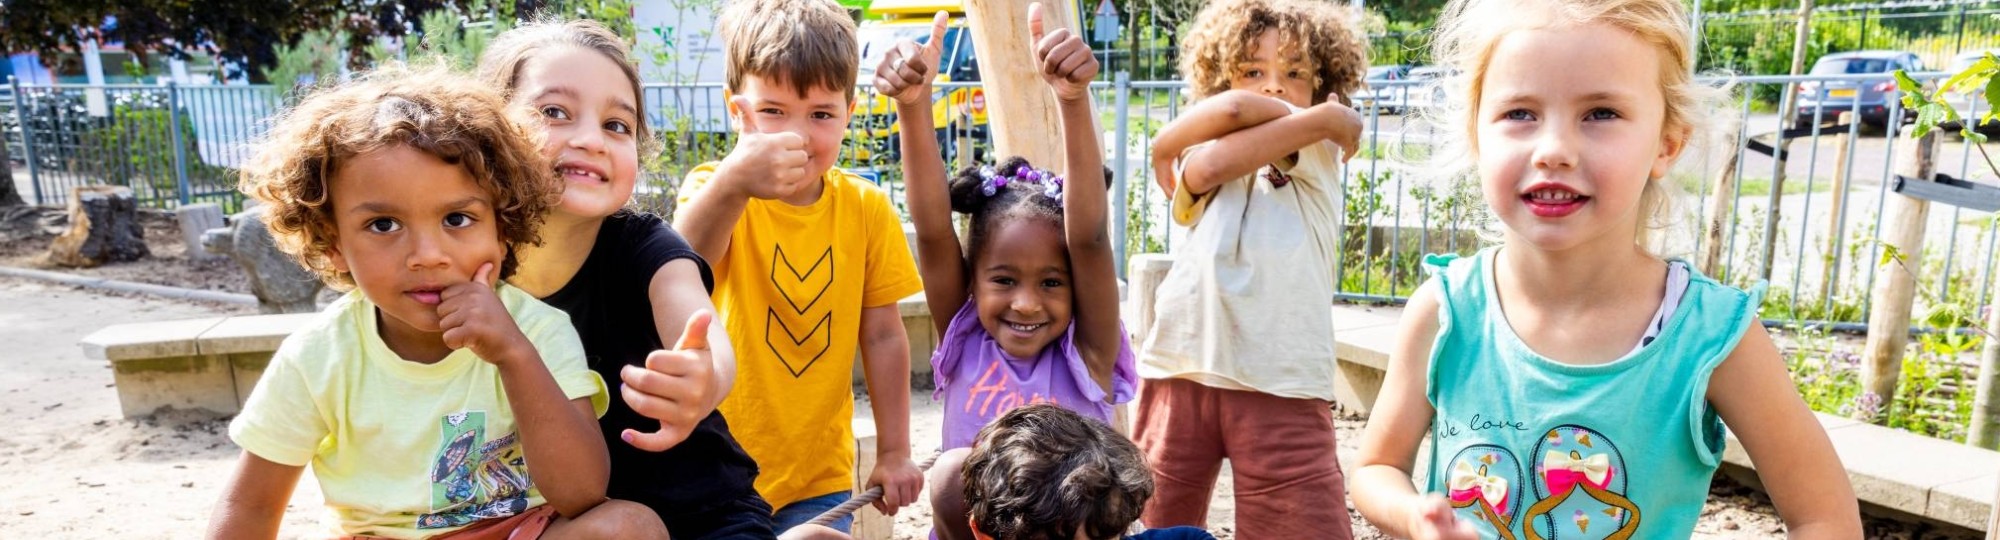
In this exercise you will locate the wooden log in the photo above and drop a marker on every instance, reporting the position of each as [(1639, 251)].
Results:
[(1895, 286), (103, 227), (1020, 108)]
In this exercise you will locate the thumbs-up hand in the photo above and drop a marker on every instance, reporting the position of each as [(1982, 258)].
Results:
[(908, 68), (472, 317), (1065, 60), (764, 164), (677, 387)]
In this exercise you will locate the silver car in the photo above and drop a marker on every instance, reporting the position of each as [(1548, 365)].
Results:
[(1822, 102)]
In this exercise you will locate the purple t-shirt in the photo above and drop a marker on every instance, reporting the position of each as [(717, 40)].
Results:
[(978, 382)]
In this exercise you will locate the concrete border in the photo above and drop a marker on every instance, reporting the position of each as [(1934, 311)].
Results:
[(128, 286)]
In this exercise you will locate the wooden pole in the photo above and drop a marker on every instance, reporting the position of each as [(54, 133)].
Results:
[(1721, 213), (1895, 286), (1020, 109), (1784, 144), (1840, 177), (1985, 419)]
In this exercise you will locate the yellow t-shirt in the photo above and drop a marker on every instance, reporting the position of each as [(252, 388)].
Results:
[(402, 449), (791, 290)]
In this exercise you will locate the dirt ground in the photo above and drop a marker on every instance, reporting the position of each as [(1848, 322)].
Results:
[(72, 467)]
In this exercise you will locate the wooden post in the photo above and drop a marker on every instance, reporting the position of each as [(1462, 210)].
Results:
[(1985, 419), (1895, 286), (869, 523), (1786, 112), (1020, 109), (1840, 178), (1721, 216)]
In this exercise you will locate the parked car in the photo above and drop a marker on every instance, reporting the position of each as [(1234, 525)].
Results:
[(1427, 90), (1971, 104), (1822, 102), (1384, 93), (958, 111)]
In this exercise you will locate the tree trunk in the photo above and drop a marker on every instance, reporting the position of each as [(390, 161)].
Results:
[(1021, 109), (8, 195), (1895, 285)]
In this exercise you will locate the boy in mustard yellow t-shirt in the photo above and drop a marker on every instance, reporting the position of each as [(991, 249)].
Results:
[(810, 262)]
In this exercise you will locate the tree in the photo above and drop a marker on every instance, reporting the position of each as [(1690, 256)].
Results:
[(244, 34)]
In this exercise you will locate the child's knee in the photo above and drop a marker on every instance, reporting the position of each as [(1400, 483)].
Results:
[(621, 519)]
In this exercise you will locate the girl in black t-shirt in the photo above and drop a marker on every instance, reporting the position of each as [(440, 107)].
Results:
[(629, 283)]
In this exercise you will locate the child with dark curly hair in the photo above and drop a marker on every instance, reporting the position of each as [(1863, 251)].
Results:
[(1034, 293), (1239, 363), (1042, 472), (432, 399)]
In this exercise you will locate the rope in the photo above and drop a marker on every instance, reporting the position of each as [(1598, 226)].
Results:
[(873, 494)]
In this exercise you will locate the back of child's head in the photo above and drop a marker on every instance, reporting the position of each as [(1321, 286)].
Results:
[(1042, 472), (1468, 32), (448, 116), (508, 55), (1226, 31), (800, 44), (992, 195)]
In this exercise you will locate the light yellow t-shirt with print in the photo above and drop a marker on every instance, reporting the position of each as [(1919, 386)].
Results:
[(791, 290), (403, 449)]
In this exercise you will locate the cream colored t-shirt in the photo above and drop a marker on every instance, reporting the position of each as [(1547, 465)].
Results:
[(1248, 303), (402, 449)]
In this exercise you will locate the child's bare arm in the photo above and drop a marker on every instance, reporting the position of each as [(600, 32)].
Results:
[(885, 355), (1068, 66), (1241, 152), (1401, 418), (559, 436), (1753, 393), (1208, 120), (253, 504), (905, 76), (762, 165)]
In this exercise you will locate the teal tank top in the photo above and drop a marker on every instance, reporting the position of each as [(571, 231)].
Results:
[(1525, 447)]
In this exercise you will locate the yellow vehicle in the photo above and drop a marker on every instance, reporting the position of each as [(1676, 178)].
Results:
[(959, 110)]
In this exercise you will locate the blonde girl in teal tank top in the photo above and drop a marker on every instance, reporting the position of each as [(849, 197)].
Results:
[(1571, 384)]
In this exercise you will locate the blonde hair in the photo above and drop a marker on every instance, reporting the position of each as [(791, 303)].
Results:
[(1226, 31), (805, 44), (1468, 31), (501, 64), (449, 116)]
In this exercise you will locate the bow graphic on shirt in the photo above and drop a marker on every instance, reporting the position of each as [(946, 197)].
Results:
[(1468, 483), (1563, 471)]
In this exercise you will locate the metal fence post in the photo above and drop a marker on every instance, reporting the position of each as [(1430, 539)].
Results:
[(1122, 84), (174, 138), (27, 143)]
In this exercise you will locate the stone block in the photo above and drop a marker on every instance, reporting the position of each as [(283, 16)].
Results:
[(1965, 503), (251, 334), (196, 219), (182, 382), (923, 339), (279, 282), (164, 339), (246, 369)]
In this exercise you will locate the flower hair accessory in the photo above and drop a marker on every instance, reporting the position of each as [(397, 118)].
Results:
[(992, 181)]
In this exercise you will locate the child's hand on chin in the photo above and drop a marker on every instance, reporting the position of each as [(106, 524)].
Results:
[(472, 317)]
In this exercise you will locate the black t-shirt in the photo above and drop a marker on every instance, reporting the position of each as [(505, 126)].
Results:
[(607, 300)]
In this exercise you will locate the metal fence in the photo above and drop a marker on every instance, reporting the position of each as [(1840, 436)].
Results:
[(1808, 223), (1761, 42)]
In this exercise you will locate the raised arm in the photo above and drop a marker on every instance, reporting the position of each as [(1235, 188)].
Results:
[(905, 76), (1207, 120), (1381, 487), (1068, 66), (1753, 394)]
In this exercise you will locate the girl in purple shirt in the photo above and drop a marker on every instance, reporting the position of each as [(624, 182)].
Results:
[(1035, 292)]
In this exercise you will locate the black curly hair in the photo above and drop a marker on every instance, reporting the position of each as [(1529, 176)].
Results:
[(1042, 472), (1016, 200)]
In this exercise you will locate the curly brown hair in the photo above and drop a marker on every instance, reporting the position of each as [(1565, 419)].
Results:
[(450, 116), (1226, 32), (1042, 472)]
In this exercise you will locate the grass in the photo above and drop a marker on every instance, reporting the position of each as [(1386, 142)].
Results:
[(1754, 186)]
